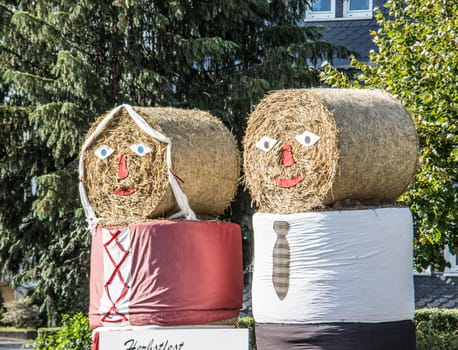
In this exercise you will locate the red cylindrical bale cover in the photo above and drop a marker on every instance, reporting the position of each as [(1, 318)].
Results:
[(166, 273)]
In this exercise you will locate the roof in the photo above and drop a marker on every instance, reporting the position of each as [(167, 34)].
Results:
[(353, 34), (436, 290)]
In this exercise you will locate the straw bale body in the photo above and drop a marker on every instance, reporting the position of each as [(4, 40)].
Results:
[(135, 188), (343, 146)]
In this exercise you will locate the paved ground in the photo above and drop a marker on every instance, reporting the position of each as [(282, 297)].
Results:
[(10, 344)]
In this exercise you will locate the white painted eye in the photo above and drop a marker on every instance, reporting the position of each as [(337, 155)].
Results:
[(307, 138), (266, 143), (103, 151), (140, 149)]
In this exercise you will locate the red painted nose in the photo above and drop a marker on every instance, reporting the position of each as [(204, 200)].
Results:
[(287, 157), (122, 167)]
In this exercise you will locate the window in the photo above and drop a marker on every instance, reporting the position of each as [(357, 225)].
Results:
[(321, 9), (449, 271), (357, 8), (339, 10), (321, 6), (358, 5), (452, 259)]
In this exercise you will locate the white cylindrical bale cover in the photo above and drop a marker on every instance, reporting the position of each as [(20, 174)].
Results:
[(345, 266)]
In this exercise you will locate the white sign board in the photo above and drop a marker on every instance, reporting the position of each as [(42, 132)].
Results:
[(170, 338)]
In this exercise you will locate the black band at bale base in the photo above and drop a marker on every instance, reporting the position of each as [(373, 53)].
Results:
[(337, 336)]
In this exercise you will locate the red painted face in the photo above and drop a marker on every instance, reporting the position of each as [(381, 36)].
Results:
[(289, 153), (123, 172), (287, 160)]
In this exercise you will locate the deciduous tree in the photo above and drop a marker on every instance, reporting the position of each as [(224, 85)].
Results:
[(417, 60)]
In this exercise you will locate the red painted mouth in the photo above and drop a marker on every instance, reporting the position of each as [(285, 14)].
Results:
[(123, 192), (286, 183)]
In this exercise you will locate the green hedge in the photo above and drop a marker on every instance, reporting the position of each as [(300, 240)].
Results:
[(437, 329), (74, 334), (48, 332), (248, 322)]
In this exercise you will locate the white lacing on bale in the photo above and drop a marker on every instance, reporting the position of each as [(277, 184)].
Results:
[(117, 276), (182, 201)]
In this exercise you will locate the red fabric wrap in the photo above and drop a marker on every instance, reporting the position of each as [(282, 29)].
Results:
[(182, 273), (95, 341)]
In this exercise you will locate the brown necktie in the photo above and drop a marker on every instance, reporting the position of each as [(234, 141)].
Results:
[(280, 270)]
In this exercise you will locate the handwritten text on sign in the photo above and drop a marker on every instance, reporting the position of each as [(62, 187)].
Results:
[(172, 338)]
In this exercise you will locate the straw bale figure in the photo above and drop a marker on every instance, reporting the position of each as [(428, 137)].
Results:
[(314, 148), (126, 170), (332, 251)]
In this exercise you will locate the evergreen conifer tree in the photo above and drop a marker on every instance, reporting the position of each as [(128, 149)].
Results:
[(63, 63)]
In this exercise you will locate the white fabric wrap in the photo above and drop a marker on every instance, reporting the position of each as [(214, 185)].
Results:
[(345, 266)]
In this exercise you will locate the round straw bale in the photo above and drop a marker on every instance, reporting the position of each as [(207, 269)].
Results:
[(204, 157), (307, 149)]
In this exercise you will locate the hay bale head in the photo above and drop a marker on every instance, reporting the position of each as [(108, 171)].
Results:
[(126, 172), (311, 148)]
